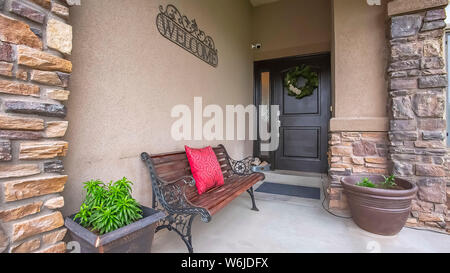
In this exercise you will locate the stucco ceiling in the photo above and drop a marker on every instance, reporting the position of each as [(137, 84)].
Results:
[(257, 3)]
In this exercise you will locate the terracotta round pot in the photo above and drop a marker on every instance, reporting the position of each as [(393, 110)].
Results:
[(379, 211)]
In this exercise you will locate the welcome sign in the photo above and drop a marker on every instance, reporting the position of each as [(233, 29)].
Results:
[(185, 33)]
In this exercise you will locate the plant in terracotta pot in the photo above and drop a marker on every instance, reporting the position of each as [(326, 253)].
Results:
[(379, 204), (111, 220)]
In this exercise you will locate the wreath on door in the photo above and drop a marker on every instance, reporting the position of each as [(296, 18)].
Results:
[(291, 81)]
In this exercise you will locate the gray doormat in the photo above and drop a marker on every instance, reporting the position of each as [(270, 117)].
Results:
[(290, 190)]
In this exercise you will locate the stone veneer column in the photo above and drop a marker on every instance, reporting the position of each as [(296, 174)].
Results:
[(417, 90), (35, 40), (354, 153)]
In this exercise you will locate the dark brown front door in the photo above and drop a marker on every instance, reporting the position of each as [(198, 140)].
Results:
[(303, 133)]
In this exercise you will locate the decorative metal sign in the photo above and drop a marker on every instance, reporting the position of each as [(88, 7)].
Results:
[(185, 33)]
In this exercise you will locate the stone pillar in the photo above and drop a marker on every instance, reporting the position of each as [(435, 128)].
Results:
[(35, 41), (354, 153), (417, 91)]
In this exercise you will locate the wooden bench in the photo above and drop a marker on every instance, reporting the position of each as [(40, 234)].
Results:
[(175, 193)]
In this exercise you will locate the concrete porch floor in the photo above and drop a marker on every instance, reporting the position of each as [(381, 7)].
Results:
[(292, 225)]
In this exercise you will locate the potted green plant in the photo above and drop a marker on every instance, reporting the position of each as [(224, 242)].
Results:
[(379, 204), (111, 221)]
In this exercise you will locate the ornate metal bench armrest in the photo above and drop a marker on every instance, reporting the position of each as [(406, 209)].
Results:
[(172, 194), (242, 167), (174, 198)]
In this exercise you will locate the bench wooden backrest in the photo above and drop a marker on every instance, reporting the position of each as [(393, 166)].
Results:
[(171, 166)]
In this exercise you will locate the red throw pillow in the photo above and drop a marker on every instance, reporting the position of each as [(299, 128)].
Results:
[(205, 168)]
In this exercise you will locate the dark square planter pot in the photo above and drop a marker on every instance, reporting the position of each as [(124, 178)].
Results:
[(134, 238)]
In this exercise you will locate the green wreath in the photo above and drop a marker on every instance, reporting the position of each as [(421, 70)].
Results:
[(291, 80)]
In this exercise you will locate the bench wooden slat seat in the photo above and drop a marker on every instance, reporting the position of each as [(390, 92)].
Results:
[(174, 189), (217, 198)]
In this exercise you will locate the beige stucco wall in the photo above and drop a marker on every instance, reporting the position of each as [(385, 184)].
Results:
[(291, 28), (359, 66), (355, 34), (128, 77)]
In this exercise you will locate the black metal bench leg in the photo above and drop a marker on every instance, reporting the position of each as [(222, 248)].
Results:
[(252, 195), (188, 239), (154, 202), (182, 228)]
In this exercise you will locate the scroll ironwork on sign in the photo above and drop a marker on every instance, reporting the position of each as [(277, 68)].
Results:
[(185, 33)]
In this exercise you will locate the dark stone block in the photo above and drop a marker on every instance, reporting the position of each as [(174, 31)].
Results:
[(433, 63), (402, 136), (429, 105), (64, 77), (433, 25), (6, 52), (405, 65), (405, 26), (429, 72), (432, 190), (28, 135), (406, 51), (431, 159), (2, 4), (347, 172), (400, 84), (433, 81), (413, 73), (403, 125), (401, 93), (429, 124), (403, 168), (44, 109), (401, 150), (398, 74), (364, 148), (430, 170), (5, 150), (404, 158), (405, 74), (433, 135), (382, 152), (434, 15), (4, 242), (54, 166), (401, 108), (27, 12), (432, 152)]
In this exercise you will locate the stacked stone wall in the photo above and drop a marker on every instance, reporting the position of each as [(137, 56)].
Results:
[(354, 153), (35, 43), (418, 81), (415, 146)]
